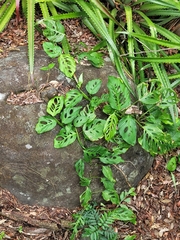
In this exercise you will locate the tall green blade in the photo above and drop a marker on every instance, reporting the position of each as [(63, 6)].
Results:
[(6, 11), (30, 22)]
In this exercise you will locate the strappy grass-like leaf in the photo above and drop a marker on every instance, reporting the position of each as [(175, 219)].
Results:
[(6, 12), (157, 41), (129, 21), (171, 59), (30, 27), (159, 70), (165, 3), (44, 9), (98, 22)]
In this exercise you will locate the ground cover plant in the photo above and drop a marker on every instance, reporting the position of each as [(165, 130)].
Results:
[(140, 52), (153, 111)]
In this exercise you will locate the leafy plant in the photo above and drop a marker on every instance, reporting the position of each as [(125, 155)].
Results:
[(55, 32), (2, 235), (20, 229), (97, 223), (48, 9), (171, 167)]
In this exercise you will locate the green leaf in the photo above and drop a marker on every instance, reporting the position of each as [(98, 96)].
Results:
[(55, 105), (147, 97), (96, 101), (85, 197), (48, 67), (7, 10), (172, 164), (168, 98), (45, 124), (93, 86), (67, 64), (52, 49), (119, 97), (107, 184), (80, 81), (123, 213), (65, 137), (110, 127), (85, 182), (72, 98), (79, 166), (80, 120), (127, 129), (170, 59), (95, 58), (108, 173), (110, 195), (154, 140), (86, 115), (54, 30), (30, 27), (130, 237), (93, 152), (98, 23), (94, 130), (157, 41), (107, 109), (69, 114), (111, 158)]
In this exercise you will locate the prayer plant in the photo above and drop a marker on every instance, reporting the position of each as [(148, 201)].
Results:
[(9, 7)]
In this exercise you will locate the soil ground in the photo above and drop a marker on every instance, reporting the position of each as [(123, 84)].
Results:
[(157, 203)]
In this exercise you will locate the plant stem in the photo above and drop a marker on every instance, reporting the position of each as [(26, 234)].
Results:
[(58, 122), (79, 140)]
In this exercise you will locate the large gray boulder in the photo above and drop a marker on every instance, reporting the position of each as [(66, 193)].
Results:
[(30, 167)]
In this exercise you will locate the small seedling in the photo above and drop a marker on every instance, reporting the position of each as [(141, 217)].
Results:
[(171, 167), (20, 229), (2, 235)]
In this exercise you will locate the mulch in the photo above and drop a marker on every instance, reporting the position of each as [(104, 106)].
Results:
[(157, 203)]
